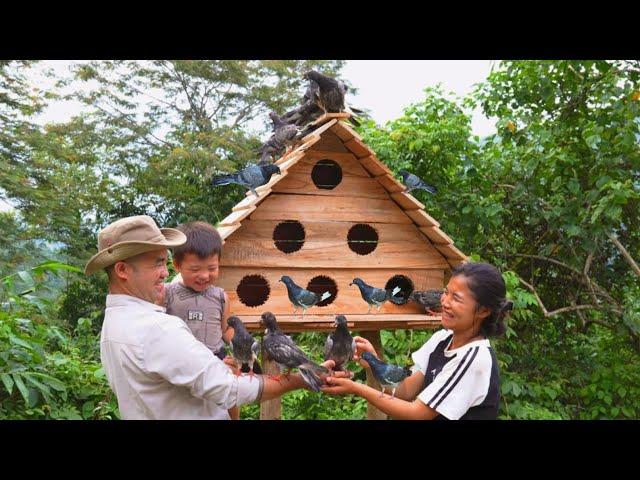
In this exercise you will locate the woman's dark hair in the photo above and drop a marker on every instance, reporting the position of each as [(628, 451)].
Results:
[(488, 288)]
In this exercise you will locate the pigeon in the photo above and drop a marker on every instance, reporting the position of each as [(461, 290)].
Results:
[(244, 348), (387, 375), (282, 349), (412, 182), (372, 295), (430, 299), (284, 136), (340, 346), (251, 177), (301, 298), (308, 111), (329, 95)]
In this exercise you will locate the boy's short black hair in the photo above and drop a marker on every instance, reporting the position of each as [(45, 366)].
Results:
[(202, 239)]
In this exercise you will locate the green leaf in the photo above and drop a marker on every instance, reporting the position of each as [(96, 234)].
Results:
[(8, 382), (21, 386)]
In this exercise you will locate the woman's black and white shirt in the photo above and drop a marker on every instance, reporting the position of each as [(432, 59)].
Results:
[(459, 384)]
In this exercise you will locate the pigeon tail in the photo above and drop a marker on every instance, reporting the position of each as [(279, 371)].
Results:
[(222, 180), (311, 375)]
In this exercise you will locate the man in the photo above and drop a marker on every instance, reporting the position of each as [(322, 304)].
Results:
[(154, 364)]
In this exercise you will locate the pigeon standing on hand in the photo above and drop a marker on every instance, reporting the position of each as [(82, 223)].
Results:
[(372, 295), (412, 182), (244, 348), (387, 375), (251, 177), (301, 298), (340, 345), (281, 349)]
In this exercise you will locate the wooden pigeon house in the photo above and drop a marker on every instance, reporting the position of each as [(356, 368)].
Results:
[(333, 214)]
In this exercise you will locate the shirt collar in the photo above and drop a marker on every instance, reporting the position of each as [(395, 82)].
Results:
[(120, 300), (483, 342)]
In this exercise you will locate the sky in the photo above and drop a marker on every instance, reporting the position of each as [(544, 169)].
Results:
[(385, 87)]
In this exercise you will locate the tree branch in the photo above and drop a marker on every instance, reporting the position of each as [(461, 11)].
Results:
[(558, 311), (625, 254)]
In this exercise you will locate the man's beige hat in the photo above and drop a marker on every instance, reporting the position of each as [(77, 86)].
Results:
[(131, 236)]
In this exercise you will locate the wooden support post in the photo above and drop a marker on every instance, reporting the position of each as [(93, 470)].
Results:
[(374, 337), (270, 409)]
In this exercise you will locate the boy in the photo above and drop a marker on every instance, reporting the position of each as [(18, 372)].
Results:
[(194, 298)]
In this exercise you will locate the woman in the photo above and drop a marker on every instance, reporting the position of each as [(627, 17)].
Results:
[(455, 375)]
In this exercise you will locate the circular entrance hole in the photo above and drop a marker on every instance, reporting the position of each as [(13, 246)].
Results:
[(362, 239), (289, 236), (326, 174), (320, 285), (253, 290), (406, 289)]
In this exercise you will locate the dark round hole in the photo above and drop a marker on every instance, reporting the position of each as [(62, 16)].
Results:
[(406, 289), (289, 236), (362, 239), (321, 284), (326, 174), (253, 290)]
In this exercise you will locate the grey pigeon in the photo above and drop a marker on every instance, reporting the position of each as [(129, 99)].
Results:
[(281, 349), (412, 182), (244, 348), (251, 177), (388, 376), (372, 295), (284, 136), (301, 298), (430, 299), (340, 345), (329, 95)]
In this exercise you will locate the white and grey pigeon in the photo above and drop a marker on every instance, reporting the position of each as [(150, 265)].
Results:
[(244, 348), (412, 182), (372, 295), (340, 345), (301, 298), (389, 376), (281, 349), (251, 177)]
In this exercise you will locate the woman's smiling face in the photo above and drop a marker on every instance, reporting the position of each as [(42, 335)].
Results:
[(459, 306)]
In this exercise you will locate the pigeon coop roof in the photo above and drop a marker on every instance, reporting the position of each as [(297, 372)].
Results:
[(334, 213)]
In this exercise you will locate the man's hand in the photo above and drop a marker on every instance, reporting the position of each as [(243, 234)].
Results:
[(232, 364)]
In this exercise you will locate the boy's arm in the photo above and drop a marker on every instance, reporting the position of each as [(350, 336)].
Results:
[(227, 334)]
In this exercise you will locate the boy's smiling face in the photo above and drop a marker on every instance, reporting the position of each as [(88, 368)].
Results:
[(198, 273)]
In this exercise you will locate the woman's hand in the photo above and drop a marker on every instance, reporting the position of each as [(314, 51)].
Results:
[(339, 386), (363, 345)]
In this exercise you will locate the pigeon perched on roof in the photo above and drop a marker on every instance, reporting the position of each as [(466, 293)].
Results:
[(372, 295), (412, 182), (308, 111), (251, 177), (387, 375), (284, 136), (244, 348), (286, 354), (340, 345), (330, 95), (430, 299), (301, 298)]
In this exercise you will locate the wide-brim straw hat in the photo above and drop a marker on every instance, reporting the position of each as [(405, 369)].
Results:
[(131, 236)]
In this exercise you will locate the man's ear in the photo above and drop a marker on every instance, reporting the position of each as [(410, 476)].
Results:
[(121, 270)]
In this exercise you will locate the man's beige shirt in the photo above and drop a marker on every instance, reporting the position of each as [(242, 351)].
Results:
[(159, 370)]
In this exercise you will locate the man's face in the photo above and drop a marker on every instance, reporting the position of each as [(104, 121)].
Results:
[(198, 273), (145, 274)]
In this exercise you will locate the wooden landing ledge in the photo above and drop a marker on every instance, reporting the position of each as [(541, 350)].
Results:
[(324, 323)]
